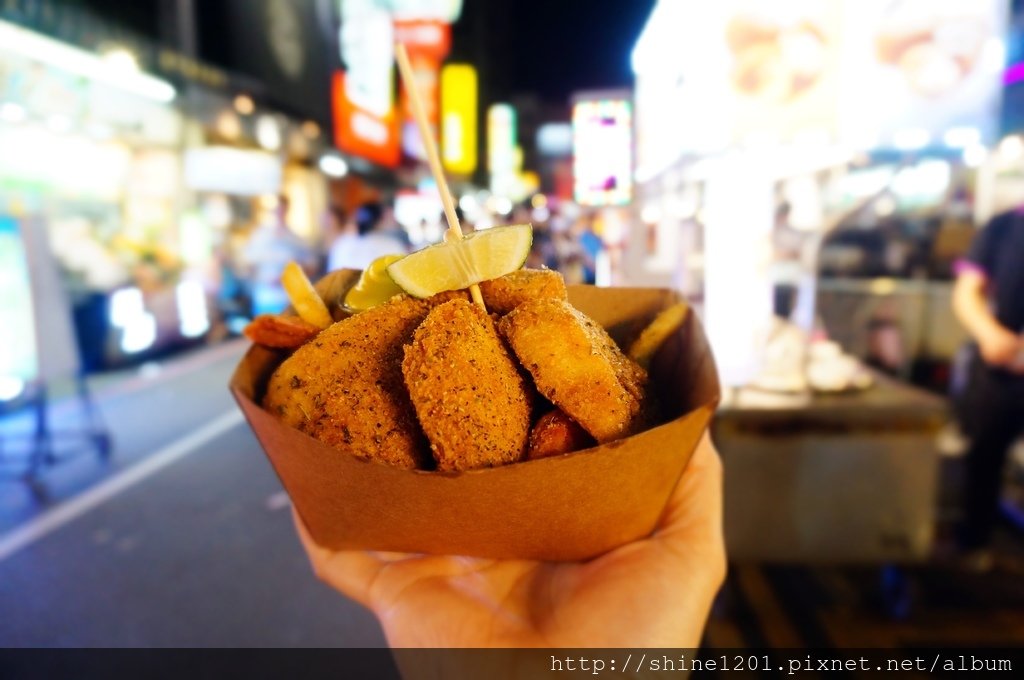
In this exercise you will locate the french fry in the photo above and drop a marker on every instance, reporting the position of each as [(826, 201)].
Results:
[(304, 298), (665, 324)]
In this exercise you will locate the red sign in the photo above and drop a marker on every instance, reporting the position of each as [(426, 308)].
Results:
[(360, 132)]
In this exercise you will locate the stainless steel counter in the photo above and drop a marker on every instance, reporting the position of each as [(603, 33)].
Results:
[(845, 478)]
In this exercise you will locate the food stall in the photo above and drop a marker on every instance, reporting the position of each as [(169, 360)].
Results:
[(735, 197)]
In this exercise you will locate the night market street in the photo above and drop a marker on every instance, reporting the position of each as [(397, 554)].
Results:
[(609, 326)]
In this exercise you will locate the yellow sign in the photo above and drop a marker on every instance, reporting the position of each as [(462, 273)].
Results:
[(458, 118)]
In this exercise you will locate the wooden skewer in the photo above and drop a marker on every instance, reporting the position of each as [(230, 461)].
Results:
[(454, 232)]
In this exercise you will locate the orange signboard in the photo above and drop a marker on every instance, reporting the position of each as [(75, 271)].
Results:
[(361, 132)]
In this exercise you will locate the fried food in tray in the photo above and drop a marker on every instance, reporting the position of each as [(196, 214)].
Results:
[(471, 400), (280, 332), (555, 433), (345, 388), (439, 384), (505, 293), (578, 367)]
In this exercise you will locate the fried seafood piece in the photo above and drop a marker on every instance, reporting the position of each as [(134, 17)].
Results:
[(282, 332), (556, 433), (470, 398), (578, 367), (505, 293), (345, 388)]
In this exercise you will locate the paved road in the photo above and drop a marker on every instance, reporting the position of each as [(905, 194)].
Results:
[(178, 544), (171, 544)]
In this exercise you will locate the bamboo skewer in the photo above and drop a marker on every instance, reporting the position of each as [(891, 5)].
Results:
[(454, 232)]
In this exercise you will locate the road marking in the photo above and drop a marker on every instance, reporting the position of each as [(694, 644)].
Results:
[(59, 515), (278, 501)]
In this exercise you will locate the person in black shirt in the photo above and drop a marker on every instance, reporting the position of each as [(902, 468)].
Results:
[(989, 300)]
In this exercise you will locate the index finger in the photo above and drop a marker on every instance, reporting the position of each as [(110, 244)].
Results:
[(695, 508)]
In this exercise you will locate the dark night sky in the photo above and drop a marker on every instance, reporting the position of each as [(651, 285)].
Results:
[(546, 47), (553, 47)]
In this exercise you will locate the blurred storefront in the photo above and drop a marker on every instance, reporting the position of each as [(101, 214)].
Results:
[(91, 154), (148, 170)]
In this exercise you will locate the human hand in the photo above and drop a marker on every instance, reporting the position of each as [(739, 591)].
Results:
[(654, 592), (1000, 347)]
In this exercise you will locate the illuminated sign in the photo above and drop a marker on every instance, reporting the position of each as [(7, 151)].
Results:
[(501, 147), (555, 139), (858, 72), (603, 152), (362, 96), (921, 69), (361, 132), (447, 11), (501, 137), (458, 118), (240, 172), (427, 43), (17, 325)]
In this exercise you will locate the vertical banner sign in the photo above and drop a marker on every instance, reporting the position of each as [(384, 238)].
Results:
[(501, 147), (362, 96), (603, 152), (458, 118), (427, 43), (361, 132)]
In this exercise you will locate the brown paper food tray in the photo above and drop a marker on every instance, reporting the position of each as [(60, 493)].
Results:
[(570, 507)]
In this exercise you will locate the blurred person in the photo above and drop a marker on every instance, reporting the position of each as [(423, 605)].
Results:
[(522, 213), (468, 226), (390, 226), (233, 294), (272, 245), (787, 262), (573, 268), (654, 592), (590, 244), (544, 252), (337, 225), (374, 238), (988, 298)]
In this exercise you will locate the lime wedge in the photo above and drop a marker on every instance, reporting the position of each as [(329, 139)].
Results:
[(454, 265)]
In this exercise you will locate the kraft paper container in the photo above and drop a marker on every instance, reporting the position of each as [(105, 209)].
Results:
[(570, 507)]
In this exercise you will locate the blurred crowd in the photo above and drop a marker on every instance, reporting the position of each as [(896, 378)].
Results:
[(565, 239)]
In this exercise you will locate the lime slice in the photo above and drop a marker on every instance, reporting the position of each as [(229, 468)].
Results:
[(454, 265), (375, 286)]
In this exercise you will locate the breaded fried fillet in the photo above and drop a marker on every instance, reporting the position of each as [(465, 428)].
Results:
[(505, 293), (578, 367), (469, 396), (345, 387)]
